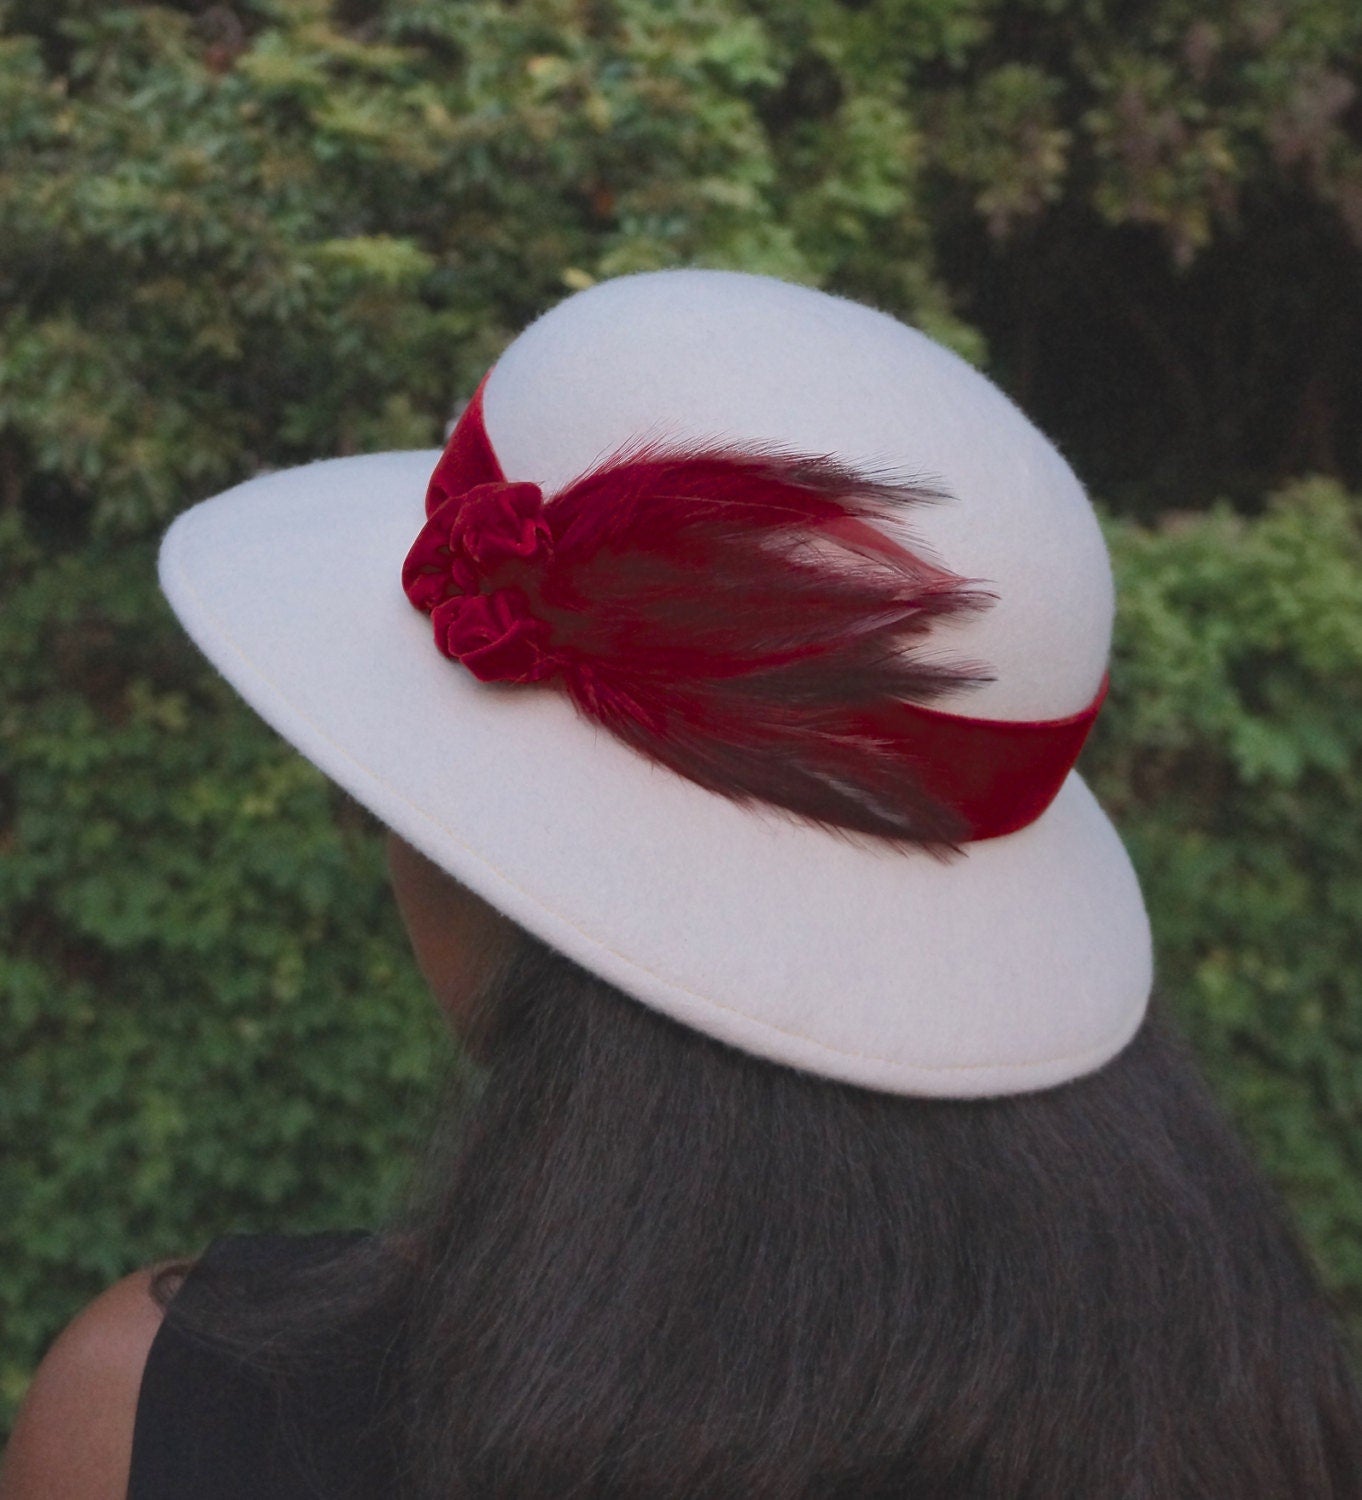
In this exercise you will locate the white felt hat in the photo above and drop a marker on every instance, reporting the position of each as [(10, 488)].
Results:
[(1023, 962)]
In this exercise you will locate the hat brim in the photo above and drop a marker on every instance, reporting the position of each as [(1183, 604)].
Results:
[(1021, 963)]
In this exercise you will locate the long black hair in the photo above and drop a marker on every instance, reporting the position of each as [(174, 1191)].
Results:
[(642, 1264)]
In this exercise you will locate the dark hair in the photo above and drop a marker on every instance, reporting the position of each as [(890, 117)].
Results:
[(646, 1265)]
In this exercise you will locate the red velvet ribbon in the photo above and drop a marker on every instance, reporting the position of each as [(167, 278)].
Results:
[(999, 774)]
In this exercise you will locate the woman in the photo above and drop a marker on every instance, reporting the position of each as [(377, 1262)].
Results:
[(824, 1145)]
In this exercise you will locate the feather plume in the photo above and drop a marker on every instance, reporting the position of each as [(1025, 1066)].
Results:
[(737, 616)]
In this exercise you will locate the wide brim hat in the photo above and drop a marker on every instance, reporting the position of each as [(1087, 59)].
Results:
[(1017, 963)]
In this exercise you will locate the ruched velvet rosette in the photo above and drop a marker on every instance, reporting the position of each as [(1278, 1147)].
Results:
[(493, 530)]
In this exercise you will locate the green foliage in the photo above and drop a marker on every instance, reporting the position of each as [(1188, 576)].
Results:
[(1152, 213), (254, 250), (208, 1015), (1230, 759), (250, 234)]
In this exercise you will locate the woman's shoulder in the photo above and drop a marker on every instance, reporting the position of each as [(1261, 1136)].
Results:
[(73, 1436)]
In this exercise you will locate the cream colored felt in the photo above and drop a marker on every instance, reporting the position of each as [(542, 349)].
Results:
[(1020, 964)]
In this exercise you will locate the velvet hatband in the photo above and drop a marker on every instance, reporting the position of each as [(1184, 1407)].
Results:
[(1021, 963)]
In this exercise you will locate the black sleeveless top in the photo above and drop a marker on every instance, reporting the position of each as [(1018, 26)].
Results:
[(211, 1427)]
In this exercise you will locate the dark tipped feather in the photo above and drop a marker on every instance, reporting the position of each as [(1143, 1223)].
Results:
[(740, 617)]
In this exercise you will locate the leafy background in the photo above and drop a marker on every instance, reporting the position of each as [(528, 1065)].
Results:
[(243, 235)]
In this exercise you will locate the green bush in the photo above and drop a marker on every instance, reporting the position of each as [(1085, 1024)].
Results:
[(1229, 757), (209, 1018), (249, 234), (258, 232)]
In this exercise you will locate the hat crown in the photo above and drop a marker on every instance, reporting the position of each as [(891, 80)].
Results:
[(704, 356)]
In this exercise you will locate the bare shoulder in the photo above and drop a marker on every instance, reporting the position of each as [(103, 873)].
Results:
[(73, 1437)]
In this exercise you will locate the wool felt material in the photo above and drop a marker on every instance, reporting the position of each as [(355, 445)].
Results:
[(1021, 963)]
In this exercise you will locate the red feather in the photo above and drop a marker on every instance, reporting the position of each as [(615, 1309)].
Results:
[(738, 617)]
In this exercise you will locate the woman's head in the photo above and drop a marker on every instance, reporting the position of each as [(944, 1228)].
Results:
[(873, 1194), (652, 1265), (642, 1263), (647, 1264)]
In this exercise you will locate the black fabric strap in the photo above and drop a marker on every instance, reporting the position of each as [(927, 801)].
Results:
[(211, 1427)]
